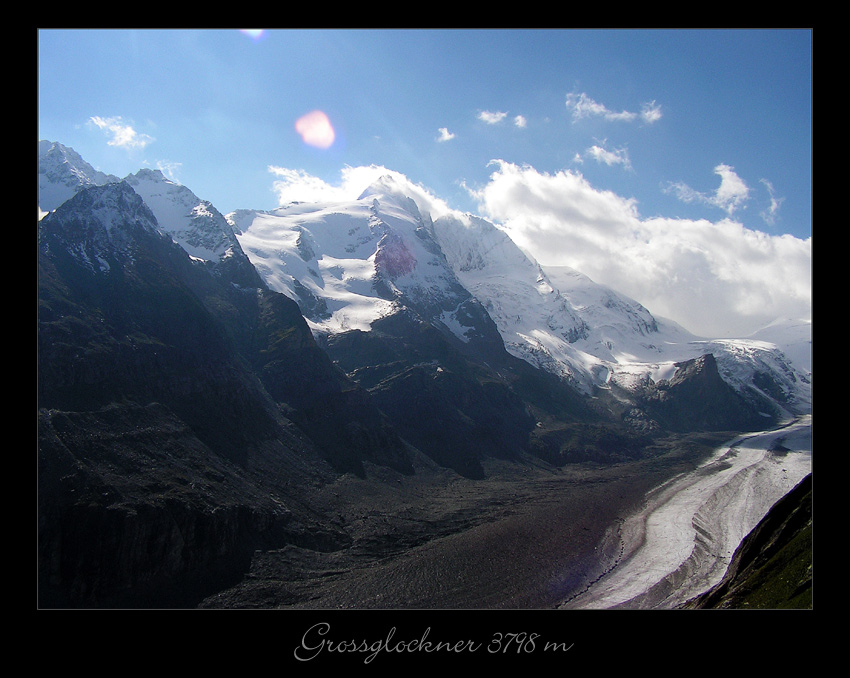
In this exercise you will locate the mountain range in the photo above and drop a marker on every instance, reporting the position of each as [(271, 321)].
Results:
[(202, 377)]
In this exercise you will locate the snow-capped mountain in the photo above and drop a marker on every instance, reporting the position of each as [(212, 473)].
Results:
[(793, 337), (98, 233), (349, 264), (192, 223), (62, 173), (329, 258), (632, 345), (182, 392), (535, 321)]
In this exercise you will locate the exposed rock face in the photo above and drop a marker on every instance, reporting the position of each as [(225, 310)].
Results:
[(134, 510), (697, 398), (165, 453), (455, 405)]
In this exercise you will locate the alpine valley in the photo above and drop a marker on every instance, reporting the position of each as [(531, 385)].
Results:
[(354, 404)]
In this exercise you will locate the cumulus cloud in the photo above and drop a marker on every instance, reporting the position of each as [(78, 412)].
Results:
[(715, 278), (444, 135), (121, 134), (732, 193), (582, 106), (520, 121), (293, 185), (491, 117)]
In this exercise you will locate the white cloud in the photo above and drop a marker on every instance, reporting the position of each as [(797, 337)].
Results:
[(618, 156), (122, 134), (732, 193), (582, 106), (650, 112), (715, 278), (169, 169), (294, 185), (769, 215), (445, 135), (520, 121), (492, 118)]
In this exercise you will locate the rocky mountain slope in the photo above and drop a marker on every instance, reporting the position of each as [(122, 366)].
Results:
[(173, 401), (201, 378)]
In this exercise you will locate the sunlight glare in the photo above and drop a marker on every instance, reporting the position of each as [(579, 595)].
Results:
[(315, 129), (256, 34)]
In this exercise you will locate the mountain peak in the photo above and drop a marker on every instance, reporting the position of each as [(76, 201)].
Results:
[(151, 175), (383, 185), (98, 226), (105, 203), (62, 172), (191, 222)]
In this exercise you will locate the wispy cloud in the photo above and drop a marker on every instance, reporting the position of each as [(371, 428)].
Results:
[(769, 214), (617, 156), (732, 193), (650, 112), (169, 169), (715, 278), (495, 117), (121, 133), (582, 106)]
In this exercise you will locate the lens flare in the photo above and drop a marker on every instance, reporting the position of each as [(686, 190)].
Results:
[(315, 129), (256, 34)]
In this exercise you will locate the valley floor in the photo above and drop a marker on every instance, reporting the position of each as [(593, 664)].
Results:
[(527, 537)]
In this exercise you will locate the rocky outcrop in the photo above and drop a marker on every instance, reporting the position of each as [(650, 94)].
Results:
[(456, 406), (697, 398)]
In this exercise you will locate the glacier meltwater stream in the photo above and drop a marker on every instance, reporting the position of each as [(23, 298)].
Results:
[(681, 543)]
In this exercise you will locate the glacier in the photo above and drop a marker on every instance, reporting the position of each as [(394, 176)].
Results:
[(680, 544)]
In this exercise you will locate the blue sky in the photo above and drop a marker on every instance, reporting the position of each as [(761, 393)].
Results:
[(673, 133)]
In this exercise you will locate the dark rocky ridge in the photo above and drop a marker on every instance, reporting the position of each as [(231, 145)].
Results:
[(697, 399), (153, 374)]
